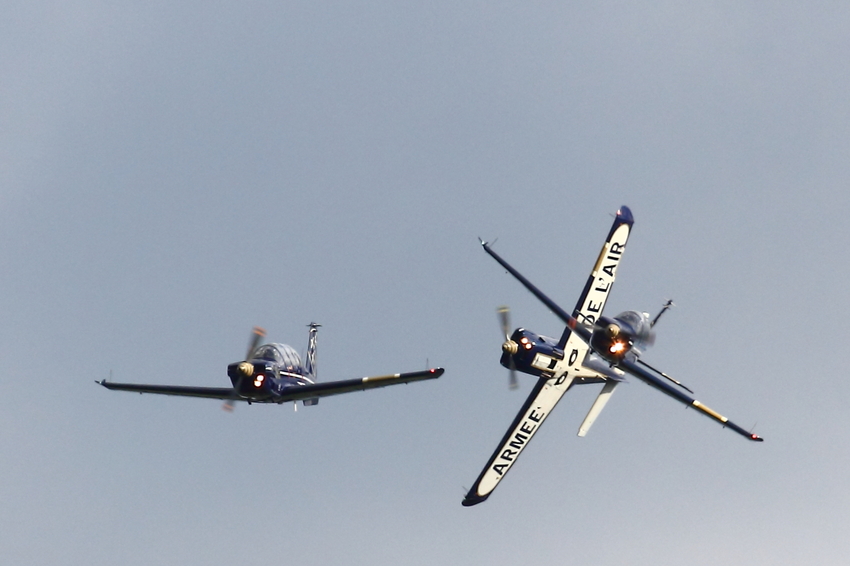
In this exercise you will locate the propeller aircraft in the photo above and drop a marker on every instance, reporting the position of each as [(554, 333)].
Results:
[(592, 349), (274, 373)]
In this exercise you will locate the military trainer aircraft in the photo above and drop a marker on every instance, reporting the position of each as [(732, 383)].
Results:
[(592, 349), (273, 373)]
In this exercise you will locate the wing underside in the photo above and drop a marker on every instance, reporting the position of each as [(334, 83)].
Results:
[(543, 398)]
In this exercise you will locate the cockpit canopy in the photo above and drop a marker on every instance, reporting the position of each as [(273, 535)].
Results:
[(280, 354), (639, 322)]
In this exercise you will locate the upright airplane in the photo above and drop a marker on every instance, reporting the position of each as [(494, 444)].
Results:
[(273, 373), (592, 349)]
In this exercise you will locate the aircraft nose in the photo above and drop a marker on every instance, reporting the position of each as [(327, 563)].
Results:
[(510, 347)]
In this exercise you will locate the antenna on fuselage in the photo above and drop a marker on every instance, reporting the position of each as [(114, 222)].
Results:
[(664, 309)]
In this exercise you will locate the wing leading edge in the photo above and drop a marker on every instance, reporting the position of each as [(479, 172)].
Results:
[(550, 388), (294, 393)]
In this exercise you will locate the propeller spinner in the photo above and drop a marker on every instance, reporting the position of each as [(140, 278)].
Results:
[(246, 368)]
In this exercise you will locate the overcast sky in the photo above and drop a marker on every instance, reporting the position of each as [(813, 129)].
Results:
[(172, 174)]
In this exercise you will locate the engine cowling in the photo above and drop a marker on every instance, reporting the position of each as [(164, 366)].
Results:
[(530, 353)]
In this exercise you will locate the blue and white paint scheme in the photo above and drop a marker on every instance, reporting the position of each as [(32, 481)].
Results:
[(274, 373), (592, 349)]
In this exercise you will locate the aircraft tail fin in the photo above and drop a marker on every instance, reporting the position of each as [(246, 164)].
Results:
[(310, 364)]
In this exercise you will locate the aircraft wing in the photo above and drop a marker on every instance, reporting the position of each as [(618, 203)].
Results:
[(595, 293), (550, 388), (294, 393), (651, 379), (207, 392), (543, 398), (325, 389)]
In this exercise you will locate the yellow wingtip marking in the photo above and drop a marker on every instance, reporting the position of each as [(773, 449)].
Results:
[(380, 378), (710, 412), (602, 253)]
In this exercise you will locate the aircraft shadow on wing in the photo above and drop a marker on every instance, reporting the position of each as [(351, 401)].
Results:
[(274, 373), (592, 349)]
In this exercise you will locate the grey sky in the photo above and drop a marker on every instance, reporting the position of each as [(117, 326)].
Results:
[(171, 176)]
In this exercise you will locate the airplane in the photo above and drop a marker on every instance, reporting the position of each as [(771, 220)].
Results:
[(274, 373), (592, 349)]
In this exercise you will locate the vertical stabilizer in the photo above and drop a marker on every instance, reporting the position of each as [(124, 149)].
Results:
[(310, 364)]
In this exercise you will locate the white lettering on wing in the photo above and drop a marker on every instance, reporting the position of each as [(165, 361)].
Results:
[(604, 274), (518, 441)]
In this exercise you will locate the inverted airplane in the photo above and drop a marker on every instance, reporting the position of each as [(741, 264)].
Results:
[(592, 349), (273, 373)]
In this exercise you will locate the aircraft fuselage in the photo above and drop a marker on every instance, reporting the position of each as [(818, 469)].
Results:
[(628, 333), (272, 370)]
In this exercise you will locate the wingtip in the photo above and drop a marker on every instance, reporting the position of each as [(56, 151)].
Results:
[(624, 214), (756, 438), (471, 500)]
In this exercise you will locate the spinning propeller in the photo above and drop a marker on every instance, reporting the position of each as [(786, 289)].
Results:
[(509, 346), (246, 368)]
